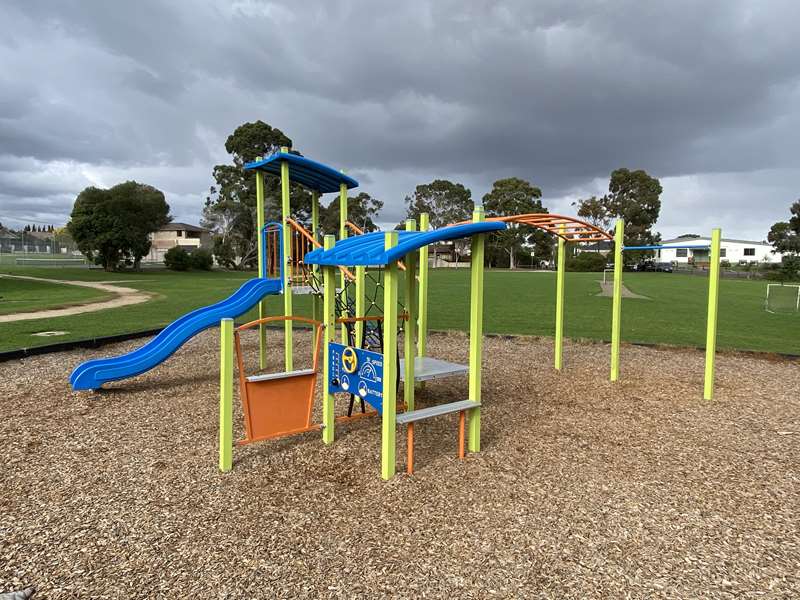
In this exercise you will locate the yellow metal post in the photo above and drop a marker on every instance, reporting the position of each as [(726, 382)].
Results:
[(343, 236), (476, 331), (713, 306), (329, 321), (388, 425), (559, 341), (226, 395), (287, 264), (316, 301), (262, 306), (361, 297), (616, 307), (410, 296), (422, 305)]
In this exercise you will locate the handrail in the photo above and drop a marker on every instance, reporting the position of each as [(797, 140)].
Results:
[(304, 232), (252, 324)]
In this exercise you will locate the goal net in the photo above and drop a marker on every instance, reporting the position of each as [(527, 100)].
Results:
[(782, 298)]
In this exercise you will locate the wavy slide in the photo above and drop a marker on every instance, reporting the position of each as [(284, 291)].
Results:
[(92, 374)]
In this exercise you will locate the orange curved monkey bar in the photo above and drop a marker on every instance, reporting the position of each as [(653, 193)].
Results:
[(569, 229)]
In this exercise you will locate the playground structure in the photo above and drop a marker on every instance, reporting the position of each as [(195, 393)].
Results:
[(356, 331)]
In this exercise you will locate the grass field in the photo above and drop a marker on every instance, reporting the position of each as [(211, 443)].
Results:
[(515, 303), (24, 295)]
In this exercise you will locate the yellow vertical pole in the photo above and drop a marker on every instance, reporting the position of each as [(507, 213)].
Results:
[(329, 323), (476, 331), (616, 307), (315, 299), (559, 341), (388, 425), (422, 304), (287, 261), (262, 306), (713, 306), (226, 395), (361, 296), (343, 236), (410, 296)]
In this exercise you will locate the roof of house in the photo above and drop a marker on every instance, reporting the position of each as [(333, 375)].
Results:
[(704, 238), (182, 227), (308, 173)]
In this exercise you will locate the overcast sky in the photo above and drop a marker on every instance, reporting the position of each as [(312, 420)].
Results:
[(703, 95)]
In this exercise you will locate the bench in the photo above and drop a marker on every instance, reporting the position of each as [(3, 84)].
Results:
[(411, 417)]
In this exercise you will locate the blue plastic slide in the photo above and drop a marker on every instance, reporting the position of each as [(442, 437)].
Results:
[(94, 373)]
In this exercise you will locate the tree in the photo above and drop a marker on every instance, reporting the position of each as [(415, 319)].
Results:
[(595, 211), (114, 225), (444, 201), (361, 211), (633, 196), (785, 235), (230, 208), (513, 196)]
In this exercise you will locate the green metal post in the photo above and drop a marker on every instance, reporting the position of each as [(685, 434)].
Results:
[(713, 306), (316, 301), (287, 262), (559, 341), (361, 297), (388, 425), (262, 306), (343, 236), (410, 295), (226, 395), (422, 304), (476, 331), (329, 323), (616, 307)]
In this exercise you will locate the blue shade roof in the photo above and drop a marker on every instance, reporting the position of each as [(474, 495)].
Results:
[(308, 173), (368, 249)]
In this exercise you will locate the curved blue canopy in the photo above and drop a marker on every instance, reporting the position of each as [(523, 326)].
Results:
[(308, 173), (368, 249)]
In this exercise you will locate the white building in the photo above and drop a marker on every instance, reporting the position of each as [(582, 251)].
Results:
[(189, 237), (734, 251)]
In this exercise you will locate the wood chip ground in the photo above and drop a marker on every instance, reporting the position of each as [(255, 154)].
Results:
[(584, 489)]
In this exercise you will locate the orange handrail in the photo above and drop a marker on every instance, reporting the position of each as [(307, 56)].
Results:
[(304, 232)]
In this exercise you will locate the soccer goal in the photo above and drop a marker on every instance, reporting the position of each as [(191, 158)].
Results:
[(782, 298)]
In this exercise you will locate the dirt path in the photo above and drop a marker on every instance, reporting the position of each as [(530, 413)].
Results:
[(125, 297), (607, 289)]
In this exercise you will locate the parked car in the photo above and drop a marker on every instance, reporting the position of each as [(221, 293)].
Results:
[(664, 267), (645, 265)]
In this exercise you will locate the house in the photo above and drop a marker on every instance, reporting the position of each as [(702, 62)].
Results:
[(731, 250), (9, 241), (189, 237)]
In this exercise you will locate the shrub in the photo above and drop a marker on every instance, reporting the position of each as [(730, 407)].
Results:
[(586, 261), (177, 259), (202, 259)]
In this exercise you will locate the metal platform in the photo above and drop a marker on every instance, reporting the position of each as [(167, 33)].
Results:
[(281, 375), (427, 368), (300, 290)]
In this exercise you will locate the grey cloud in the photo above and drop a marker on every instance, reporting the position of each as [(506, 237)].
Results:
[(561, 94)]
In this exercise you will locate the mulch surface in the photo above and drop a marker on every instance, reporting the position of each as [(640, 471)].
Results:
[(583, 488)]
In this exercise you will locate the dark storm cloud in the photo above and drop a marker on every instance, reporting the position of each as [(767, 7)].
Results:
[(97, 92)]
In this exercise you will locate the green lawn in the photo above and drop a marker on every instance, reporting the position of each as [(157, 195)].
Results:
[(515, 303), (24, 295)]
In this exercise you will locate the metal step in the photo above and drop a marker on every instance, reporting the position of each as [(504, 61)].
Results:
[(435, 411)]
